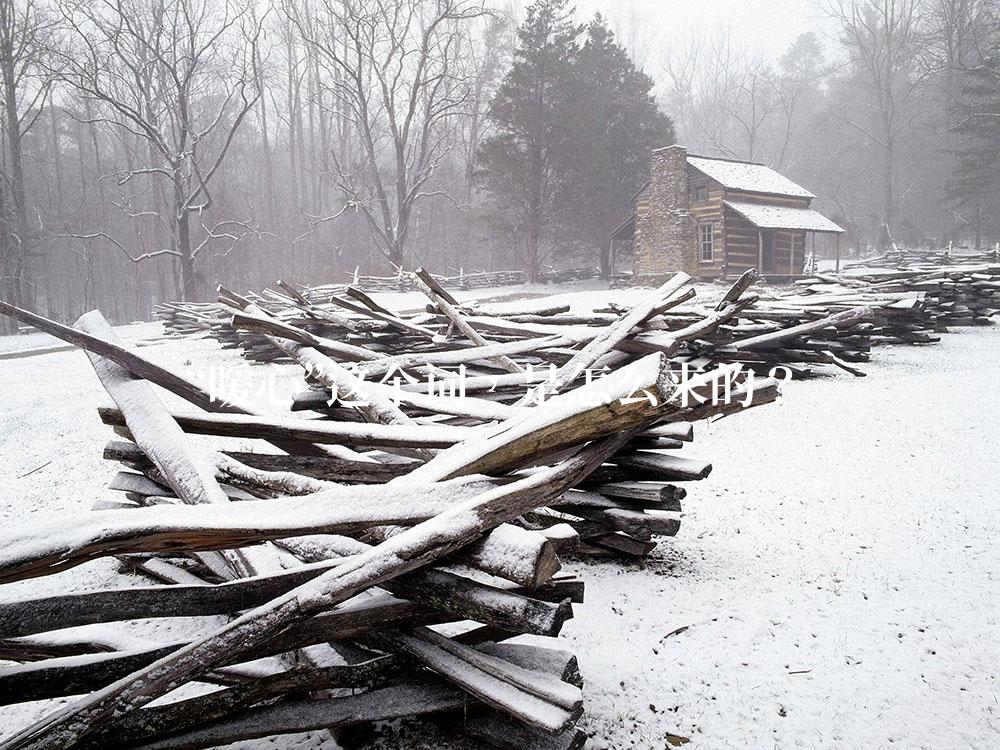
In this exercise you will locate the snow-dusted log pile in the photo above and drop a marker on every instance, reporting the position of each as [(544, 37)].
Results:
[(200, 317), (903, 258), (911, 305), (403, 281), (917, 300), (352, 327), (340, 554)]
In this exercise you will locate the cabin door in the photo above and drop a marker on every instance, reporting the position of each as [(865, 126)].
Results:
[(766, 251)]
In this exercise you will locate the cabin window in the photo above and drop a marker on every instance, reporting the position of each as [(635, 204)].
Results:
[(706, 239), (701, 193)]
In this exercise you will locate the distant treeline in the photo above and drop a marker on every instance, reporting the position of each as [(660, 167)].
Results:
[(155, 148)]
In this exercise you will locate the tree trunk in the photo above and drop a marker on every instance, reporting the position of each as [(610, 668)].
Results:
[(978, 227), (395, 254), (18, 246), (7, 287), (532, 248), (188, 278), (534, 212), (605, 258), (888, 199)]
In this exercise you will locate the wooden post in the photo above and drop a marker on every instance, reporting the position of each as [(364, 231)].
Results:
[(760, 250), (837, 269)]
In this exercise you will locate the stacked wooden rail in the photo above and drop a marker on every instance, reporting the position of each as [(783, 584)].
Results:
[(184, 318), (913, 304), (378, 563), (615, 515), (738, 329), (954, 295), (904, 257), (700, 336), (402, 281)]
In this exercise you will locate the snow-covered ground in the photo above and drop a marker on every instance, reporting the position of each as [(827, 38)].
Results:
[(838, 573), (835, 582)]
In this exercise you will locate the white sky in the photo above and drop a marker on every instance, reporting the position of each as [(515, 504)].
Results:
[(648, 27)]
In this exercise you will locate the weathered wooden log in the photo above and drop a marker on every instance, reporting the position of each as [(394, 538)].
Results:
[(373, 310), (186, 472), (660, 494), (653, 467), (642, 525), (139, 727), (497, 729), (143, 368), (676, 430), (73, 675), (440, 298), (604, 544), (667, 341), (771, 340), (540, 700), (329, 468), (315, 431), (744, 282), (457, 595), (43, 548), (314, 311), (508, 551), (464, 355), (634, 395), (254, 319)]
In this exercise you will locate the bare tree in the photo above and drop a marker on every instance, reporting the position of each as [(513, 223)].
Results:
[(485, 57), (750, 102), (175, 76), (883, 42), (801, 69), (958, 32), (722, 97), (391, 70), (25, 52), (680, 78)]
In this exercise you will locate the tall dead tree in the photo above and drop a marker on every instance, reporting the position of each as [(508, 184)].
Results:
[(392, 69), (176, 76)]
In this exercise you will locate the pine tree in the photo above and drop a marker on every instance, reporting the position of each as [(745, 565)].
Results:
[(523, 164), (615, 126), (573, 130), (975, 187)]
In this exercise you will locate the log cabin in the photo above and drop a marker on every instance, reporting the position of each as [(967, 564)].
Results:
[(716, 218)]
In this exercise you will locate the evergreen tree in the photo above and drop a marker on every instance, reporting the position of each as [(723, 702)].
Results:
[(975, 187), (573, 130), (615, 126), (523, 164)]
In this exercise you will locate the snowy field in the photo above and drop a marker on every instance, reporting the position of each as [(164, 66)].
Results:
[(836, 580)]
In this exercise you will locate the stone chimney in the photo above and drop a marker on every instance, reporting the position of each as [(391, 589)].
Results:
[(665, 239)]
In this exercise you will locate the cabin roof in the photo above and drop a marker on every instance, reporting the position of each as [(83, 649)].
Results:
[(783, 217), (625, 230), (747, 176)]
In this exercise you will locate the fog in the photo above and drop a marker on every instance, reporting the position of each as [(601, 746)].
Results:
[(153, 149)]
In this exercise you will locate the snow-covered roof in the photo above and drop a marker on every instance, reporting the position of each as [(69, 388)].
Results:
[(753, 178), (781, 217)]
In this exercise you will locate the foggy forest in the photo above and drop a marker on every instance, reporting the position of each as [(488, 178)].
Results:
[(153, 149)]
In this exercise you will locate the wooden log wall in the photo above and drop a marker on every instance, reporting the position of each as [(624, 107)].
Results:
[(709, 210)]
